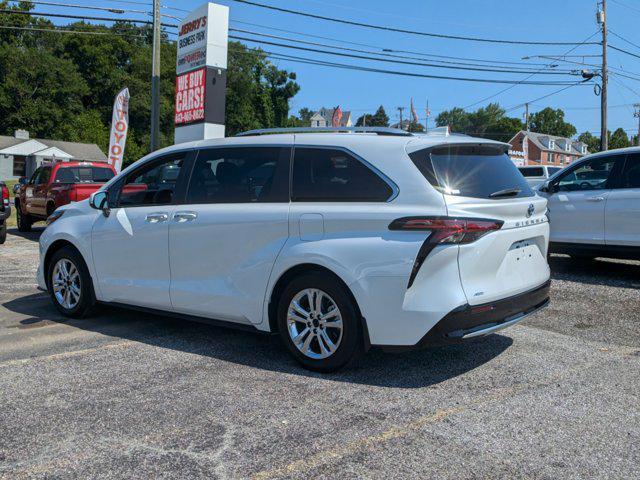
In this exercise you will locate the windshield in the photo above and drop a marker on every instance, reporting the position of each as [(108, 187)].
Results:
[(479, 171), (83, 175)]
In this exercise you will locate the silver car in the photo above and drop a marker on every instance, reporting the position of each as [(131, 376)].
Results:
[(538, 174)]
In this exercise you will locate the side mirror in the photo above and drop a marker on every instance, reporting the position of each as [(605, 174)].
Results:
[(23, 181), (548, 187), (100, 201)]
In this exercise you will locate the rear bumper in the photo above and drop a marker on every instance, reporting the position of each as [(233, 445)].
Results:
[(469, 321)]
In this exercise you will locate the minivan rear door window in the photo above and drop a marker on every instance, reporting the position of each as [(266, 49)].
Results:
[(477, 171)]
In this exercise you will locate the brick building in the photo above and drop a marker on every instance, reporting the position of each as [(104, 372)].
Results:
[(540, 149)]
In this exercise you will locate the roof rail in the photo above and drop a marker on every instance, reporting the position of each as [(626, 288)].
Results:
[(377, 130)]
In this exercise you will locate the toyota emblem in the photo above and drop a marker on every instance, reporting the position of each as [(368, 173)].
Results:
[(531, 210)]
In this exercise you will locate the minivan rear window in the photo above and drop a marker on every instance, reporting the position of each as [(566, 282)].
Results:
[(478, 171), (532, 172)]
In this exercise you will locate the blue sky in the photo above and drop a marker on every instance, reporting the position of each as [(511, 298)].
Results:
[(541, 20)]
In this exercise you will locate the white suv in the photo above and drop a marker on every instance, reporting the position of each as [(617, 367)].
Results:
[(338, 241), (594, 206)]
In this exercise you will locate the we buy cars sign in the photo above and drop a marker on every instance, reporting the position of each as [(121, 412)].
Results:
[(190, 96)]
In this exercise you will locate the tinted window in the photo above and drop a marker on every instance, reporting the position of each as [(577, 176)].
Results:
[(328, 175), (83, 175), (153, 184), (631, 174), (35, 176), (479, 171), (532, 172), (553, 170), (240, 175), (590, 175)]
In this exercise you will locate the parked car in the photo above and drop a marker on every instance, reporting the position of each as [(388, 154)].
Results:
[(538, 174), (594, 206), (5, 211), (55, 184), (337, 241)]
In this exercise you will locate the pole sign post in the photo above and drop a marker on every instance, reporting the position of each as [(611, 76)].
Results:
[(201, 74)]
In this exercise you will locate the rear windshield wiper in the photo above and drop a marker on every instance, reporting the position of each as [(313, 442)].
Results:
[(507, 192)]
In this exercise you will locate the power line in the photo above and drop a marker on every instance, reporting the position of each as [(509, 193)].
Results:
[(311, 61), (78, 32), (398, 30), (624, 39), (546, 96), (384, 49), (584, 42), (83, 17), (364, 57), (623, 51), (75, 5)]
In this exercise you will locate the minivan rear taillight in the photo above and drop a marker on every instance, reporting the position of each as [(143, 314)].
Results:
[(444, 230)]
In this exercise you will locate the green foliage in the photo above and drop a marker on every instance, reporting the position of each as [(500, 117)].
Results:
[(551, 122), (593, 142), (619, 139), (62, 86), (378, 119), (486, 122), (416, 126)]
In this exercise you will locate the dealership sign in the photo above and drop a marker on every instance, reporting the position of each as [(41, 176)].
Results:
[(190, 94), (201, 73), (119, 129)]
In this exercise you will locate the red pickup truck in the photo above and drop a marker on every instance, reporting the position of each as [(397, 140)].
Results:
[(56, 184)]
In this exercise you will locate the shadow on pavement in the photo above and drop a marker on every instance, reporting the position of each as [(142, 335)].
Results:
[(601, 271), (407, 370), (33, 235)]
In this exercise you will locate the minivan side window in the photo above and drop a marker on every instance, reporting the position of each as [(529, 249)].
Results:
[(630, 177), (152, 184), (590, 175), (240, 175), (332, 175)]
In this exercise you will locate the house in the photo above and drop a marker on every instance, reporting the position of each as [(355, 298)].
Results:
[(530, 148), (21, 155), (323, 117)]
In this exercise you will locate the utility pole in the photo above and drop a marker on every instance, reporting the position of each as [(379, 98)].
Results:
[(526, 116), (426, 119), (401, 109), (155, 78), (602, 19), (637, 115)]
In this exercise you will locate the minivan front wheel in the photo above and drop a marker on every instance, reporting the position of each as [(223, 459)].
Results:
[(319, 323), (69, 283)]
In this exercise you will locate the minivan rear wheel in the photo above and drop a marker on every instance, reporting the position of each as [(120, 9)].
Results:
[(319, 323)]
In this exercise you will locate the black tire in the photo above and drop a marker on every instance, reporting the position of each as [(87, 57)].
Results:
[(24, 221), (87, 298), (3, 233), (350, 347)]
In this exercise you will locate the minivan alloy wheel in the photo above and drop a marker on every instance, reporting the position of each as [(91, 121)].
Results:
[(66, 284), (314, 323)]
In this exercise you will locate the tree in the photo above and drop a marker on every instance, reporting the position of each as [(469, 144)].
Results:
[(486, 122), (378, 119), (592, 142), (416, 127), (551, 122), (302, 120), (619, 139)]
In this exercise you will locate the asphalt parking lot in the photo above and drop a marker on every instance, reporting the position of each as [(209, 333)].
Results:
[(130, 395)]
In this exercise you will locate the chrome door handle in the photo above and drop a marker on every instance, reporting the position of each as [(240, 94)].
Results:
[(182, 217), (595, 199), (156, 217)]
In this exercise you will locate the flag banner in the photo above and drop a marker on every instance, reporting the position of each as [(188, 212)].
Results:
[(119, 129), (414, 114), (336, 119)]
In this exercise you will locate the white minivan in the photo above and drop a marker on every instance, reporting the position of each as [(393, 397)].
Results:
[(594, 206), (336, 240)]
